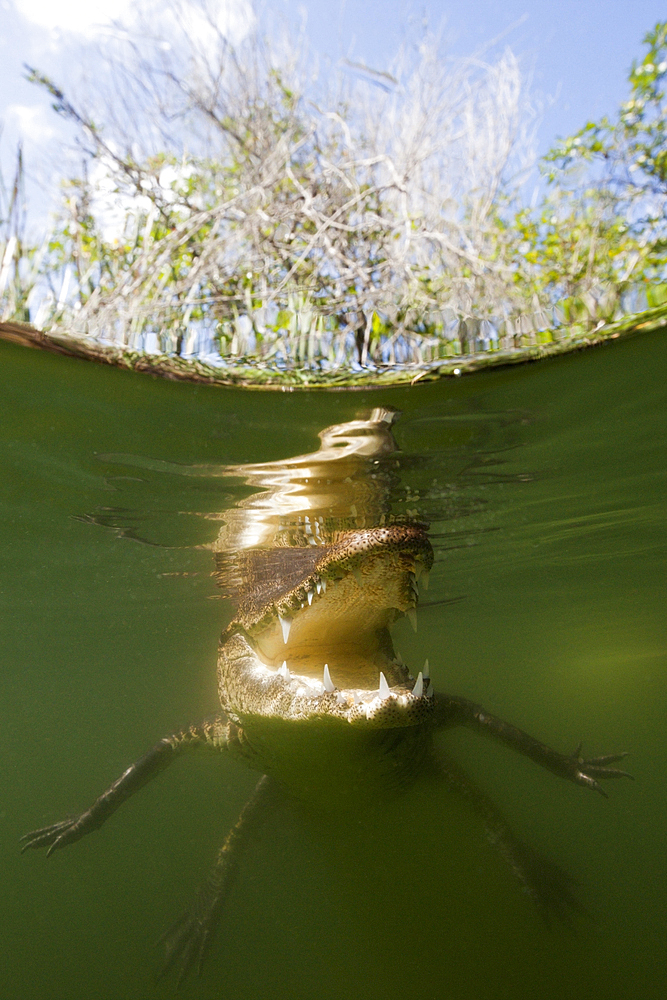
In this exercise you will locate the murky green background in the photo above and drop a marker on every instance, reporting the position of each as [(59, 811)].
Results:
[(546, 484)]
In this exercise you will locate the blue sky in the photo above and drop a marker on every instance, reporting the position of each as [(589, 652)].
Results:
[(577, 52)]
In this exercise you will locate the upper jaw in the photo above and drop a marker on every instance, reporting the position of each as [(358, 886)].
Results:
[(324, 646), (341, 611)]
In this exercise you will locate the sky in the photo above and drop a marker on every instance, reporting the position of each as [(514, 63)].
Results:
[(577, 53)]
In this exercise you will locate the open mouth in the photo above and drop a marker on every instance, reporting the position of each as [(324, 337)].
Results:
[(325, 642)]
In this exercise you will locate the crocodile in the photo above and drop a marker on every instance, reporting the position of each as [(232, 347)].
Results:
[(309, 682)]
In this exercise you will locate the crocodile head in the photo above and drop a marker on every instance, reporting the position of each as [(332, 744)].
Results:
[(311, 638), (320, 569)]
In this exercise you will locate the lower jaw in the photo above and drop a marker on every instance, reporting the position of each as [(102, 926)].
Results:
[(346, 671)]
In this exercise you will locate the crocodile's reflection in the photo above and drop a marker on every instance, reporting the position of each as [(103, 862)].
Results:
[(313, 696)]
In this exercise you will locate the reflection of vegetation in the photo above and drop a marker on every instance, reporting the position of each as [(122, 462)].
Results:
[(379, 226), (21, 265)]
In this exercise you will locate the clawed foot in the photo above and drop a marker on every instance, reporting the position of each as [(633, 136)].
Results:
[(590, 772), (58, 835), (187, 942)]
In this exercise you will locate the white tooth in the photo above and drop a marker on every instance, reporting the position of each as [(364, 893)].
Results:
[(310, 596), (384, 690), (284, 671), (427, 670), (318, 585), (425, 579), (356, 573), (418, 689), (285, 624), (324, 586), (411, 615), (328, 683), (356, 698), (430, 692), (340, 698)]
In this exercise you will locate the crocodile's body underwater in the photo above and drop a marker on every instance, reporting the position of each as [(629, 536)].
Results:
[(313, 696)]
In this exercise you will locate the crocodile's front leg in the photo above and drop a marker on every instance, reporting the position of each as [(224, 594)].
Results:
[(452, 710), (189, 940), (215, 734)]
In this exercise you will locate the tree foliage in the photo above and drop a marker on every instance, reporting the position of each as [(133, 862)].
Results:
[(235, 201), (602, 229)]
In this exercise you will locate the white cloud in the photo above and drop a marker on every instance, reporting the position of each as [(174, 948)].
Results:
[(30, 121), (201, 18), (110, 207), (114, 209), (232, 18), (80, 16)]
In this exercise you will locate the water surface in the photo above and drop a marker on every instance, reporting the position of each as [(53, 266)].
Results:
[(545, 487)]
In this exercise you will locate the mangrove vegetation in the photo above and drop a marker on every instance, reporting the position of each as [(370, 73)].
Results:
[(240, 217)]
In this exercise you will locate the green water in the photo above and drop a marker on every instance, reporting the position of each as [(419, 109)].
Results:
[(546, 489)]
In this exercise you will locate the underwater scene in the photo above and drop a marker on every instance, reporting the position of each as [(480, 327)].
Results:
[(407, 582)]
